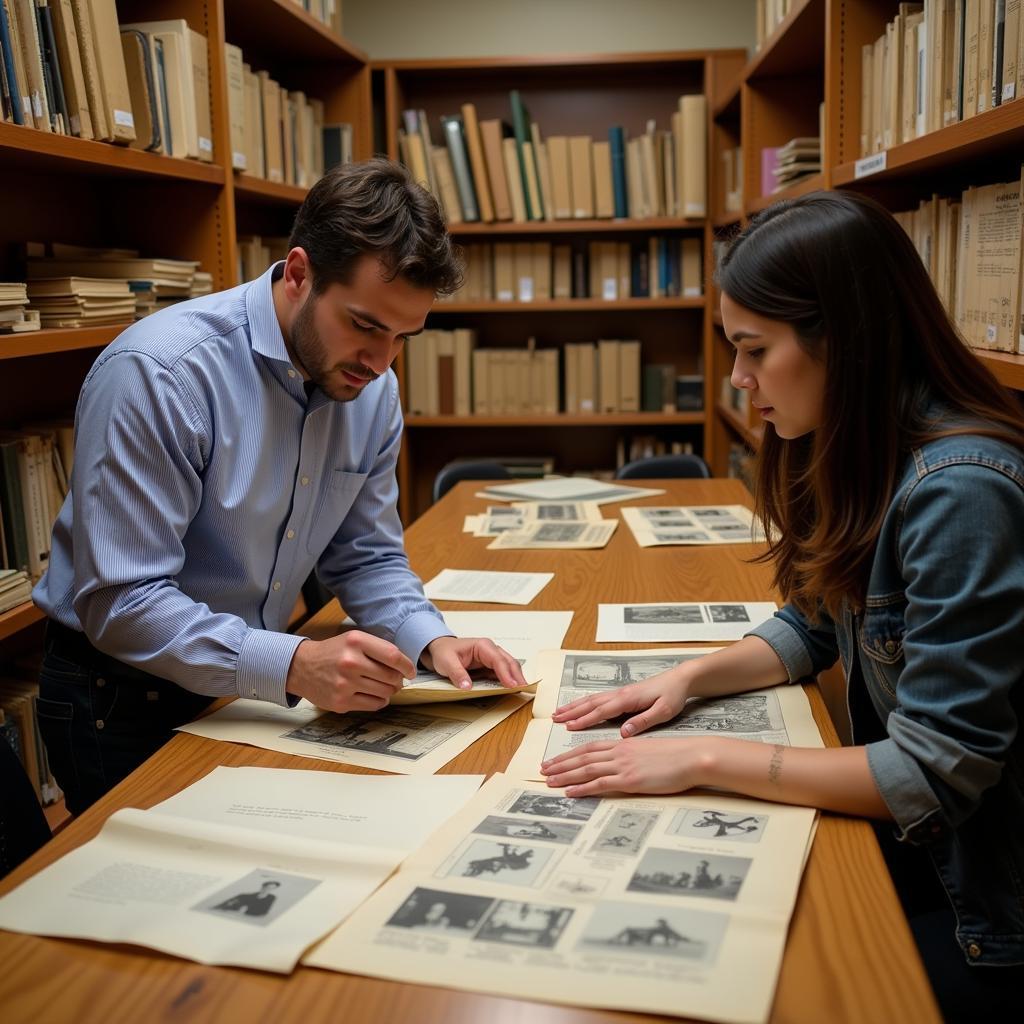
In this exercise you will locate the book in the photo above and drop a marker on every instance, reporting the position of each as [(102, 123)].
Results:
[(452, 128), (16, 102), (112, 74), (478, 164), (142, 89), (492, 132), (617, 149), (521, 132)]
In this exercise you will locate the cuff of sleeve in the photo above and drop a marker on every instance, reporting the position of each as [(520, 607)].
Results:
[(911, 801), (785, 641), (417, 631), (263, 662)]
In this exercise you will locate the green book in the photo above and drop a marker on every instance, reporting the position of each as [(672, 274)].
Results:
[(12, 507), (521, 130)]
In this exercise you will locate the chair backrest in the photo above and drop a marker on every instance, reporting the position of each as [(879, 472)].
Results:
[(455, 472), (665, 467)]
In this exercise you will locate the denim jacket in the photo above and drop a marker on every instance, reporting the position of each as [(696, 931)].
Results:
[(940, 647)]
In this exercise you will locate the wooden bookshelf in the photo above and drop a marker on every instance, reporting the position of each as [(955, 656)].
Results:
[(17, 618), (751, 436), (566, 95), (259, 190), (53, 341), (1009, 369), (811, 183)]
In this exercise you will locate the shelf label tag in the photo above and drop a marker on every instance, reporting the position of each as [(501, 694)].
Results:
[(609, 289), (870, 164)]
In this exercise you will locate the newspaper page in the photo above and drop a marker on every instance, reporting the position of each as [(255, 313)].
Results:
[(672, 622), (486, 587), (558, 535), (692, 524), (675, 904), (523, 634), (778, 714), (248, 867), (499, 519), (409, 741), (569, 488)]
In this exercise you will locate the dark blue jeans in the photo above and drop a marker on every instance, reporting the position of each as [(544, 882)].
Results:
[(99, 718)]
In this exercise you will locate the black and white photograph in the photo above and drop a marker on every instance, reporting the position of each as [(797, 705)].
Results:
[(739, 713), (625, 831), (728, 613), (711, 824), (711, 516), (524, 924), (391, 731), (547, 510), (258, 898), (439, 911), (527, 828), (661, 514), (686, 873), (733, 529), (551, 805), (510, 863), (609, 671), (659, 931), (680, 536), (560, 532), (662, 613), (579, 885)]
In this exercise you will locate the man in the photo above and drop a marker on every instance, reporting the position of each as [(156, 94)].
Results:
[(224, 448)]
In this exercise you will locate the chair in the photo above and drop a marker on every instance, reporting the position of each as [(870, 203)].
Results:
[(662, 467), (455, 472)]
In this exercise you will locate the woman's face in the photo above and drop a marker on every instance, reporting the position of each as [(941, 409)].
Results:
[(786, 385)]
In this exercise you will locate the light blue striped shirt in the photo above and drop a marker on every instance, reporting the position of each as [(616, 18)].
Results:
[(205, 489)]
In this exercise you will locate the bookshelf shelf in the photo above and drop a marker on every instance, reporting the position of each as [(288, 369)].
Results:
[(567, 227), (53, 341), (600, 419), (33, 150), (1009, 369), (751, 436), (796, 45), (567, 306), (727, 220), (799, 188), (18, 618), (969, 142), (283, 26), (259, 190), (727, 108)]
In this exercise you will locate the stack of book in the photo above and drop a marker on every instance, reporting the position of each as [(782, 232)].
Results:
[(732, 180), (81, 301), (19, 726), (490, 171), (15, 317), (256, 253), (799, 158), (15, 588), (770, 14)]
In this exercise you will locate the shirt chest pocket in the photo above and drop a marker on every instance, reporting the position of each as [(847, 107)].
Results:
[(881, 640), (334, 503)]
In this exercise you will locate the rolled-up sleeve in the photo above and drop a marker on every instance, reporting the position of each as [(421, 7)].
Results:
[(961, 550), (804, 649)]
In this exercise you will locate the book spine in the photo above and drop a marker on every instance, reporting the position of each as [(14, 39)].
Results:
[(452, 127), (521, 130), (10, 74)]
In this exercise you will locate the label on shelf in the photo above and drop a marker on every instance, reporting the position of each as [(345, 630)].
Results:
[(870, 164), (609, 289), (124, 118), (205, 144), (1009, 90), (526, 289), (238, 161)]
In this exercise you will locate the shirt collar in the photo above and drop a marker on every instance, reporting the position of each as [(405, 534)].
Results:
[(264, 330)]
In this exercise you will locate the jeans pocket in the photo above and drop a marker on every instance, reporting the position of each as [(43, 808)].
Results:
[(56, 718)]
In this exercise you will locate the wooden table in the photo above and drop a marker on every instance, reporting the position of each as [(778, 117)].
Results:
[(849, 956)]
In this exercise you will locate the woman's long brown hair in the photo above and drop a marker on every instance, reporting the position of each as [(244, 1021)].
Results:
[(839, 269)]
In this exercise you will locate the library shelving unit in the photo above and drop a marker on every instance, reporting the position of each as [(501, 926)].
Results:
[(571, 95), (815, 54), (65, 189)]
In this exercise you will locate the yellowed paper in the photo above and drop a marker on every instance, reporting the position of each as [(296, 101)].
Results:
[(692, 524), (557, 535)]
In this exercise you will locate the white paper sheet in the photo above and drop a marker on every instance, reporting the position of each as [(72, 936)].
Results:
[(541, 535), (247, 868), (674, 622), (487, 587), (569, 488)]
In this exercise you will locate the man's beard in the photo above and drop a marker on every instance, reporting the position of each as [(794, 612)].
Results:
[(312, 353)]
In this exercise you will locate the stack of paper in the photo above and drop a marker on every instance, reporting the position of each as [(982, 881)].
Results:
[(797, 159), (15, 317), (79, 301), (15, 588)]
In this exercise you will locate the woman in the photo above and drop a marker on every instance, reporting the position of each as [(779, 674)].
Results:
[(891, 484)]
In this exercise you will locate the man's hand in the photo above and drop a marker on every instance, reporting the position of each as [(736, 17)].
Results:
[(454, 656), (351, 672)]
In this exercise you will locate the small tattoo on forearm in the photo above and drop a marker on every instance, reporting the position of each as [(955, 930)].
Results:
[(775, 765)]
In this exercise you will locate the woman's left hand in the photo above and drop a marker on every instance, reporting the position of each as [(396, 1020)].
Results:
[(640, 765)]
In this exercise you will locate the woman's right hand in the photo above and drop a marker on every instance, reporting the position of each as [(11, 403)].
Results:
[(650, 702)]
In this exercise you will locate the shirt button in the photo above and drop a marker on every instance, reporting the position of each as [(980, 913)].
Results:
[(99, 723), (101, 682), (973, 950), (304, 481), (290, 535), (291, 373), (277, 585)]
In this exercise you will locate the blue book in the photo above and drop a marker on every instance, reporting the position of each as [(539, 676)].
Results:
[(664, 278), (17, 107), (617, 140)]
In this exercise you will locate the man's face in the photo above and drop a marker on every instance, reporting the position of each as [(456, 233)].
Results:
[(351, 333)]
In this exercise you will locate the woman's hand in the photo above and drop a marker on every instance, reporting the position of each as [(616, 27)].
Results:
[(656, 699), (633, 766)]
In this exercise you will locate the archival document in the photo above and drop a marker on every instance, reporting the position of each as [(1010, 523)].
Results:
[(673, 904), (778, 714), (248, 866), (674, 622), (692, 524), (406, 740)]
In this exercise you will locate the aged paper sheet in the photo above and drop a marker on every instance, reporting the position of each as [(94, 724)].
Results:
[(779, 714), (674, 622), (410, 741), (486, 587), (559, 535), (246, 867), (692, 524), (676, 905)]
